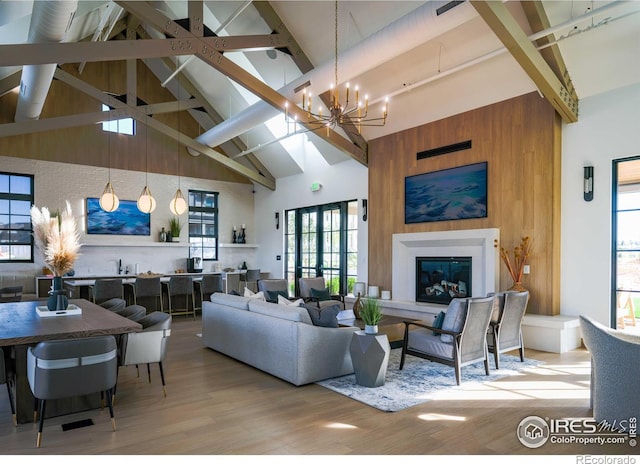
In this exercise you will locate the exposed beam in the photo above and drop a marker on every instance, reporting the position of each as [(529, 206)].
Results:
[(218, 61), (498, 18), (141, 117), (84, 119), (75, 52), (539, 21), (10, 82), (196, 18)]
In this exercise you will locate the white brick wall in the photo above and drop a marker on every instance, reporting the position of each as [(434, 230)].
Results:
[(57, 182)]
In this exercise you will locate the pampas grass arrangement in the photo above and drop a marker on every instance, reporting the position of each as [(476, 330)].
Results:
[(57, 237)]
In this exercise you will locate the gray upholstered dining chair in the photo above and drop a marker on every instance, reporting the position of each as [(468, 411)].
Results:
[(105, 289), (315, 289), (7, 376), (461, 341), (66, 368), (11, 294), (148, 346), (114, 304), (505, 332), (132, 312), (614, 372)]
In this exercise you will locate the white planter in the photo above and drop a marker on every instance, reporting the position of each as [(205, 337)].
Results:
[(371, 329), (175, 239)]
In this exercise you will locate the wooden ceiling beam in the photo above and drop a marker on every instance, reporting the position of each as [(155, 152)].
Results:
[(503, 24)]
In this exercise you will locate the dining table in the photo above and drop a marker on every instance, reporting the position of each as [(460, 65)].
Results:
[(22, 327)]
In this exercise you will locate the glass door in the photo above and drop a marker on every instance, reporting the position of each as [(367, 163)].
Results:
[(625, 302)]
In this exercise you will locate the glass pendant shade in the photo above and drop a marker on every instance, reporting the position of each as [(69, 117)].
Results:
[(146, 203), (109, 201), (178, 204)]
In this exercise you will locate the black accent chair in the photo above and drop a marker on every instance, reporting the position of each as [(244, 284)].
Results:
[(66, 368), (461, 341)]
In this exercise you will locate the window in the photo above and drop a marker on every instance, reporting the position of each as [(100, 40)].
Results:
[(203, 225), (16, 199), (125, 126), (323, 241)]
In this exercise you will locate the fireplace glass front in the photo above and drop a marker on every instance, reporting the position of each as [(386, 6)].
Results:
[(440, 279)]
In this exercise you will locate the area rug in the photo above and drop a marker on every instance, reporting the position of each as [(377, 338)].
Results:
[(421, 380)]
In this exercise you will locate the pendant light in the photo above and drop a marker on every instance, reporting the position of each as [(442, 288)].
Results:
[(109, 201), (146, 202), (178, 205)]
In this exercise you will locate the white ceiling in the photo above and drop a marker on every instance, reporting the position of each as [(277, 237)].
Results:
[(429, 72)]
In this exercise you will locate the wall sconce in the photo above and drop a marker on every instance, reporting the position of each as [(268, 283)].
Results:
[(364, 210), (588, 183), (277, 220)]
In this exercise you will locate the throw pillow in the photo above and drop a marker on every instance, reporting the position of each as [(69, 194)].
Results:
[(287, 302), (250, 294), (272, 295), (321, 295), (437, 322), (454, 318), (323, 317)]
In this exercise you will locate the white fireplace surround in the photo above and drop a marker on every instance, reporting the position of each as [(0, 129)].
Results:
[(482, 245)]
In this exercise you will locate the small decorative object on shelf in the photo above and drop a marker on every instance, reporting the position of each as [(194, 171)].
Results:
[(175, 227), (163, 235), (235, 237), (57, 237), (520, 256), (242, 238)]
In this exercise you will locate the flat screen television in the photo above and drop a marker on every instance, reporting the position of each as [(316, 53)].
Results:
[(456, 193), (126, 220)]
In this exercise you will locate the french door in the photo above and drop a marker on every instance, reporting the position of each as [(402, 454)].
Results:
[(321, 241)]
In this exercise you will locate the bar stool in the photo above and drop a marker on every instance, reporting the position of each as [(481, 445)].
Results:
[(180, 286), (210, 283), (105, 289), (146, 287), (249, 279)]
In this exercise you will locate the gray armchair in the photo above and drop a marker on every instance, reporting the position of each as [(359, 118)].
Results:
[(461, 341), (614, 372), (275, 286), (310, 287), (148, 346), (505, 332)]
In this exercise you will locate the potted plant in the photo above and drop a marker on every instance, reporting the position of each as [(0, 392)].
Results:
[(370, 313), (175, 227)]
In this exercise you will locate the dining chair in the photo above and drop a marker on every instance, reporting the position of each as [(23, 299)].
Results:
[(177, 287), (7, 376), (114, 304), (105, 289), (148, 346), (11, 294), (249, 279), (461, 341), (66, 368), (148, 288), (132, 312)]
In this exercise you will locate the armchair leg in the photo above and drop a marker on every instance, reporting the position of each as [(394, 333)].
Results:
[(164, 387), (13, 408), (110, 403), (41, 423), (149, 372)]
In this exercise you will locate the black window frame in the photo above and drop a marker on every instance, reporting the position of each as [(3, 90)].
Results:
[(199, 224), (30, 197)]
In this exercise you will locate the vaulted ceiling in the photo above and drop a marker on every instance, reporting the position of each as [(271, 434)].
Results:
[(239, 67)]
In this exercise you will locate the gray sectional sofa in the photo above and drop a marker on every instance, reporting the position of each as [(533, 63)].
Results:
[(277, 339)]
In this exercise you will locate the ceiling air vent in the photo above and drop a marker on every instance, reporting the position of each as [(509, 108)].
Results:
[(447, 6)]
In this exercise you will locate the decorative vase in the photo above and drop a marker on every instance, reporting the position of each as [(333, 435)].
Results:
[(517, 287), (57, 300), (169, 237), (371, 329), (356, 307)]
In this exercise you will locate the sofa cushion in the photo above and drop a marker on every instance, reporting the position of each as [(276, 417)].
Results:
[(287, 302), (289, 313), (248, 293), (238, 302), (323, 317), (454, 318), (321, 295), (272, 295)]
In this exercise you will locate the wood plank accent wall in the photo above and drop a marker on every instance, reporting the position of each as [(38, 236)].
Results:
[(520, 140), (89, 145)]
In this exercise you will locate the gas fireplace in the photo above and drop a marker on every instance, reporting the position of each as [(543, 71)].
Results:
[(440, 279)]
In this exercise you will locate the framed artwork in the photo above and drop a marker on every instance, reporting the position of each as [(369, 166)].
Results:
[(126, 220), (455, 193)]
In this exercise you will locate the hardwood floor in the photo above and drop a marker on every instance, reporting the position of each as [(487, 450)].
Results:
[(216, 405)]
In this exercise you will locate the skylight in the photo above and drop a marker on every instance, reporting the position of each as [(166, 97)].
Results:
[(125, 126)]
